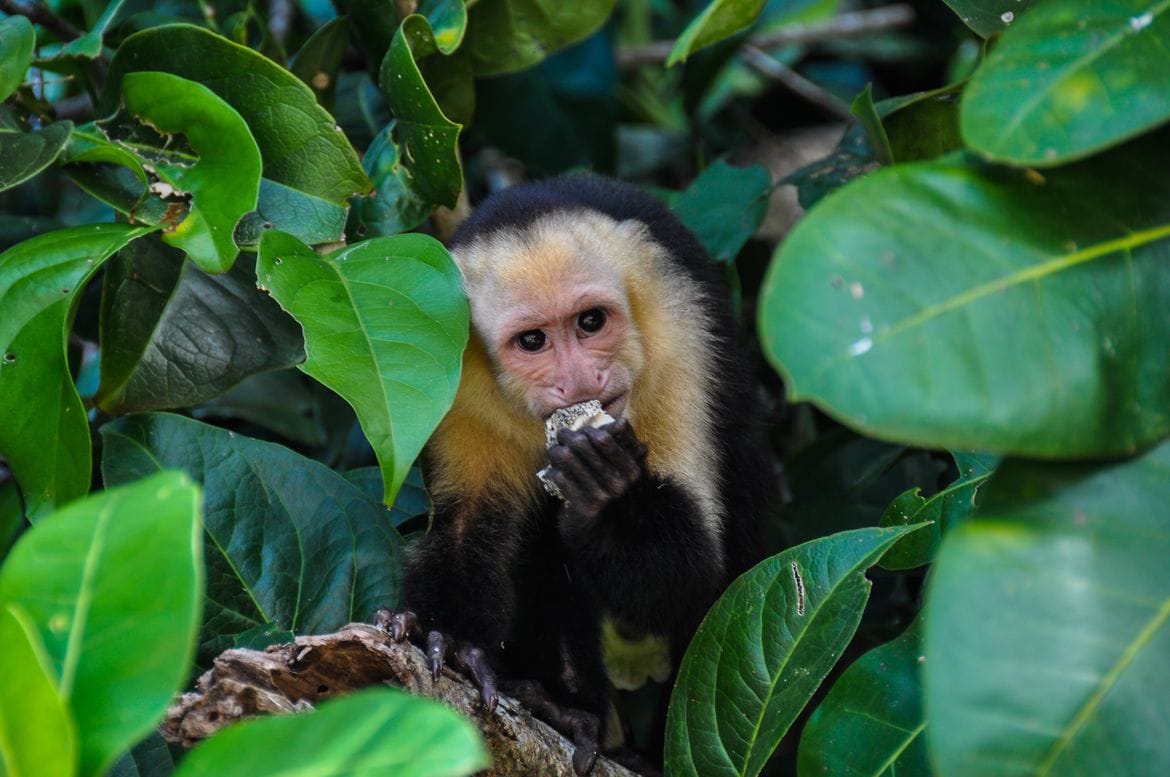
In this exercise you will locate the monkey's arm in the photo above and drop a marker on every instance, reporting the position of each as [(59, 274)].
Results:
[(459, 592), (638, 540)]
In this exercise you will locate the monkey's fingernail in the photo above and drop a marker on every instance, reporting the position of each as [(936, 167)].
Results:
[(397, 631)]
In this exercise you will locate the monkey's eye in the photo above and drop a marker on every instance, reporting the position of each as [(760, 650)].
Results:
[(532, 340), (591, 320)]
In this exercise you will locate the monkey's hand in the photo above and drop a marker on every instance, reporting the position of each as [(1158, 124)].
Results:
[(593, 467), (440, 648)]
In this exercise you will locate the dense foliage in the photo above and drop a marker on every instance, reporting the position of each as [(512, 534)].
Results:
[(227, 329)]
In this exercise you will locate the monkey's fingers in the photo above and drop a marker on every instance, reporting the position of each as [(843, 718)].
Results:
[(436, 652), (576, 480), (474, 662), (582, 727), (623, 432), (399, 625)]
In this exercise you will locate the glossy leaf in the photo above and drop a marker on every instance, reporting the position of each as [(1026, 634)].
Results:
[(718, 21), (872, 723), (37, 733), (17, 40), (988, 17), (289, 541), (763, 649), (1048, 624), (45, 436), (385, 325), (24, 154), (725, 206), (412, 501), (867, 115), (174, 336), (222, 183), (948, 304), (113, 174), (281, 112), (509, 35), (414, 162), (1069, 79), (377, 731), (69, 574), (944, 511), (311, 219), (149, 758)]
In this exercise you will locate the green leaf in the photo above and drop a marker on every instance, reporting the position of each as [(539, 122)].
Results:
[(509, 35), (278, 401), (949, 304), (311, 219), (412, 501), (149, 758), (872, 723), (282, 113), (718, 21), (260, 637), (987, 17), (225, 180), (17, 40), (385, 325), (45, 436), (114, 175), (867, 115), (1070, 79), (318, 62), (764, 648), (24, 154), (119, 644), (289, 541), (377, 731), (414, 162), (943, 511), (725, 206), (1048, 624), (37, 734), (174, 336)]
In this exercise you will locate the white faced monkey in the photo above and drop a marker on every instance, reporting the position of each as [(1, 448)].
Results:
[(582, 289)]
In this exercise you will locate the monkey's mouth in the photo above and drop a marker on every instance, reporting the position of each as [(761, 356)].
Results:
[(616, 406)]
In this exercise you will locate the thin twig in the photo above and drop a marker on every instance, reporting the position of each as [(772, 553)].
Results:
[(795, 82), (845, 25), (37, 13)]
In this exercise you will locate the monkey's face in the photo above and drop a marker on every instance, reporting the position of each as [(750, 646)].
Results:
[(567, 349)]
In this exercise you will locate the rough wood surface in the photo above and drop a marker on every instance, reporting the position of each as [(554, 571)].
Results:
[(286, 678)]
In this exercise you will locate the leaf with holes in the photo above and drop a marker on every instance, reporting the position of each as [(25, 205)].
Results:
[(951, 304), (225, 179), (71, 575), (1048, 624), (1069, 79), (385, 325), (763, 650), (45, 435), (289, 541)]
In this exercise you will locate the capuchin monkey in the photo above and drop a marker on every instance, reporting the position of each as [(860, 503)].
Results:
[(583, 288)]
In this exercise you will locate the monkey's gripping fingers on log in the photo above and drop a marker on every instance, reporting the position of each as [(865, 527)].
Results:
[(439, 648), (581, 727), (593, 467)]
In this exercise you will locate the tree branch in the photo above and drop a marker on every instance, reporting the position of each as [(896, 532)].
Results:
[(245, 683), (38, 13), (845, 25)]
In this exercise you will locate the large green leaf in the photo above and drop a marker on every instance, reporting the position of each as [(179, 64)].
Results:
[(301, 145), (950, 304), (1069, 79), (222, 183), (764, 648), (174, 336), (37, 733), (17, 40), (372, 732), (509, 35), (987, 17), (872, 723), (385, 325), (725, 206), (289, 541), (24, 154), (1048, 624), (44, 434), (414, 162), (719, 20), (113, 584)]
